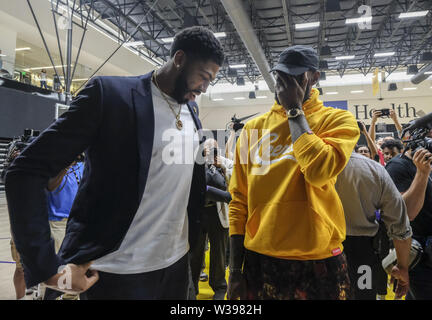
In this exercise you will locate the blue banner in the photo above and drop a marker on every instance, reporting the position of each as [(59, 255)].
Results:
[(343, 104)]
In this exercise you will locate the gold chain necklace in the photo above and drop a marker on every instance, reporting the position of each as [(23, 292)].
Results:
[(179, 123)]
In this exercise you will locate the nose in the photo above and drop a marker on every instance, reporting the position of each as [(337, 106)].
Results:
[(204, 86)]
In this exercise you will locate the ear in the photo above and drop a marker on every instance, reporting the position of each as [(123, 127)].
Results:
[(179, 59), (315, 77)]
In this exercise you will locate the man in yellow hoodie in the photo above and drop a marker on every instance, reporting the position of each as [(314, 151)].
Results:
[(286, 220)]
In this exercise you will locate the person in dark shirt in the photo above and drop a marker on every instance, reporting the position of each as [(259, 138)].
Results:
[(411, 174), (391, 148)]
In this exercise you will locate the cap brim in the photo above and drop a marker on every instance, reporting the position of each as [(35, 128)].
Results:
[(290, 69)]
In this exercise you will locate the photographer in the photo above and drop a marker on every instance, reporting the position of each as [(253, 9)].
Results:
[(371, 146), (14, 149), (214, 224), (411, 174), (364, 187)]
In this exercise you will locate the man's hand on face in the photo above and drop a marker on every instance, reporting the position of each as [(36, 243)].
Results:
[(290, 93), (74, 278)]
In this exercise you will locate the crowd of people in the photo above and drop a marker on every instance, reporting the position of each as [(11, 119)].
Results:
[(294, 207)]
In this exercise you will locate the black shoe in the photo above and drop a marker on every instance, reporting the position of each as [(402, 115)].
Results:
[(219, 295)]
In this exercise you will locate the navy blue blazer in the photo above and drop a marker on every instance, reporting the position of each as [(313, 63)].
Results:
[(112, 120)]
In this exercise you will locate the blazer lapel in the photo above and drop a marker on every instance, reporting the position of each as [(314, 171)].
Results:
[(193, 109), (144, 115)]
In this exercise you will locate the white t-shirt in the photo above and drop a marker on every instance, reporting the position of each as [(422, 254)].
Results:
[(43, 76), (158, 234)]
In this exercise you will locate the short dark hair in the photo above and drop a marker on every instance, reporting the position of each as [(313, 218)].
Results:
[(199, 42), (358, 146), (390, 144)]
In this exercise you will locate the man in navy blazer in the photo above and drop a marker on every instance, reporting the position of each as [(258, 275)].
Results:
[(136, 210)]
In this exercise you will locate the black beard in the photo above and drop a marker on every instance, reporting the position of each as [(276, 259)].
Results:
[(307, 93), (181, 88), (276, 98)]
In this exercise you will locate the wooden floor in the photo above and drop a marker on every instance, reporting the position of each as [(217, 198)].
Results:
[(7, 266)]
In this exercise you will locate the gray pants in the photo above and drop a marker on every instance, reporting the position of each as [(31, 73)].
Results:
[(218, 237)]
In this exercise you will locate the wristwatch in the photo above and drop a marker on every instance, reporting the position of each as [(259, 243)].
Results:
[(294, 113)]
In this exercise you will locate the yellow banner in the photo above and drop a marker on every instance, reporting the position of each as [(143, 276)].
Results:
[(375, 82)]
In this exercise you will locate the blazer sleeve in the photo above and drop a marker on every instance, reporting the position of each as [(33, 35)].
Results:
[(27, 179)]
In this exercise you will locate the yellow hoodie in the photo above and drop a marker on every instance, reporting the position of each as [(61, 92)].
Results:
[(283, 195)]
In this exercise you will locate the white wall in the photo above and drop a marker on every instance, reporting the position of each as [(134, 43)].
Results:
[(7, 46), (96, 47), (215, 114)]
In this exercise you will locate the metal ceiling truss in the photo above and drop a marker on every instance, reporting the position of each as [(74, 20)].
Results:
[(273, 22)]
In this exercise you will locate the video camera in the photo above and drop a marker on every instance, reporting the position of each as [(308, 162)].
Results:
[(15, 147), (20, 143), (418, 130)]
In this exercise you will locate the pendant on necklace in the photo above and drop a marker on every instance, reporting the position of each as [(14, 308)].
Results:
[(179, 124)]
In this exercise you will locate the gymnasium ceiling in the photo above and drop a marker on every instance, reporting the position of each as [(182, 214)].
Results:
[(272, 24)]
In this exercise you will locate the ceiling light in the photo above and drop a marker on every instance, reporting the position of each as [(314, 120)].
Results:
[(218, 99), (238, 66), (357, 91), (239, 98), (261, 97), (308, 25), (428, 72), (23, 49), (383, 54), (358, 20), (219, 34), (345, 57), (2, 55), (134, 43), (40, 68), (411, 88), (415, 14), (168, 40), (332, 92)]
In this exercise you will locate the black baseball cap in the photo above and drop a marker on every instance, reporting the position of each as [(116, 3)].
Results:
[(296, 60)]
